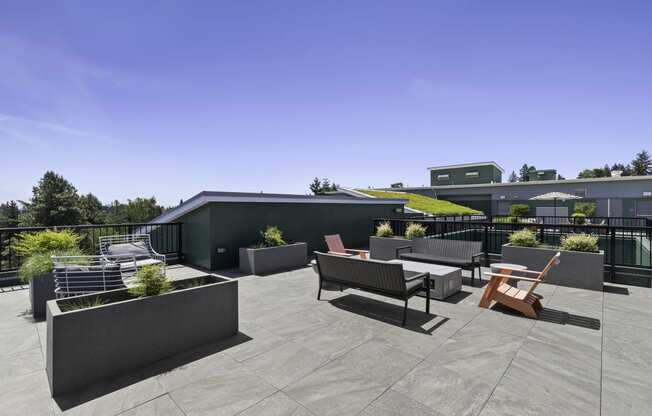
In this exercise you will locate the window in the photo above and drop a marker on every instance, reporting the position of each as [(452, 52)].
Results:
[(580, 192), (473, 174), (443, 177)]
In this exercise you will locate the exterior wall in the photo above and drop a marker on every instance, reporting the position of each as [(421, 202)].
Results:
[(230, 226), (457, 176), (543, 175)]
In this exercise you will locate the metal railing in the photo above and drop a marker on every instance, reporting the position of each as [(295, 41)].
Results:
[(166, 239), (623, 245)]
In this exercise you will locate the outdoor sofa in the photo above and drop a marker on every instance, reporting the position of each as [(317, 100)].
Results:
[(131, 252), (374, 276), (79, 275), (458, 253)]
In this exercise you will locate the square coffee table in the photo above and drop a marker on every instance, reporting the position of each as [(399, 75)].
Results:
[(444, 280)]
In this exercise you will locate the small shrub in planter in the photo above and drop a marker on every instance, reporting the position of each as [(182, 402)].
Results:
[(519, 210), (150, 281), (580, 242), (36, 249), (272, 254), (578, 218), (384, 229), (415, 230), (523, 238), (586, 208), (272, 237)]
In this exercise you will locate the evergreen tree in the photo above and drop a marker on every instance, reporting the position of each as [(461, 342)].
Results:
[(524, 173), (642, 164), (9, 214), (54, 202), (512, 177), (315, 186), (325, 185), (92, 211)]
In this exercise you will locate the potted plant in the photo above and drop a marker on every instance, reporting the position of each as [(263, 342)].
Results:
[(581, 264), (36, 269), (272, 254), (98, 336), (383, 245)]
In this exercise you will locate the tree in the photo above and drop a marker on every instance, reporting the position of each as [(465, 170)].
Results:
[(325, 185), (9, 214), (586, 173), (512, 177), (642, 164), (54, 202), (524, 173), (142, 210), (315, 186), (92, 211)]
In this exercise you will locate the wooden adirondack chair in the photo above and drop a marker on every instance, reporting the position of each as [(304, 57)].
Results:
[(523, 301), (335, 246)]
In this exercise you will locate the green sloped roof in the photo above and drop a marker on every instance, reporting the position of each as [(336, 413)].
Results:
[(424, 203)]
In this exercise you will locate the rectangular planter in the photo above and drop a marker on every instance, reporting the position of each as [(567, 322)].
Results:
[(41, 290), (576, 269), (93, 344), (273, 259), (384, 248)]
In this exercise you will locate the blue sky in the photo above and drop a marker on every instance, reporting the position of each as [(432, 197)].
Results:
[(131, 99)]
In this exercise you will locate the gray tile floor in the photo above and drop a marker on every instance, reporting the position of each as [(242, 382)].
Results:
[(590, 353)]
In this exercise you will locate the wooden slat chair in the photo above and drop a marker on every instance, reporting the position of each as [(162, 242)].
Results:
[(335, 246), (524, 301)]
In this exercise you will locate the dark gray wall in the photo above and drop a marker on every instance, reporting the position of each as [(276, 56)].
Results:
[(230, 226), (457, 176)]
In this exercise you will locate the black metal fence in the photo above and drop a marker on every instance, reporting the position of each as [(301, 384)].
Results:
[(625, 243), (166, 239)]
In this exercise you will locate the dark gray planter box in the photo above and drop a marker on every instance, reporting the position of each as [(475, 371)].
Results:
[(273, 259), (92, 344), (384, 248), (576, 269), (41, 290)]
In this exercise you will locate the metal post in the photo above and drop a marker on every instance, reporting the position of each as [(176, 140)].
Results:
[(612, 249), (486, 246), (179, 243)]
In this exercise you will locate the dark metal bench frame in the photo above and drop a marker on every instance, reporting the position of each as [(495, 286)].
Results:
[(462, 262), (407, 294)]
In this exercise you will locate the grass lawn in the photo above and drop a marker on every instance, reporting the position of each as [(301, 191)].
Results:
[(424, 203)]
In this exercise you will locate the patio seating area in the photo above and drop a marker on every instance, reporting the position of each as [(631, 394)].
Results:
[(589, 353)]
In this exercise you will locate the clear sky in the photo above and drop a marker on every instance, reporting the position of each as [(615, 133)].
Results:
[(131, 98)]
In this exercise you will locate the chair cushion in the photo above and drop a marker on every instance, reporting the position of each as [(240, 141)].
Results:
[(414, 284), (431, 258), (136, 249), (140, 263)]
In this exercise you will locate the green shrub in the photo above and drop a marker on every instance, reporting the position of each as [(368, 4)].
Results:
[(586, 208), (506, 220), (272, 237), (47, 241), (578, 218), (523, 238), (150, 281), (519, 210), (384, 229), (415, 230), (39, 264), (580, 242)]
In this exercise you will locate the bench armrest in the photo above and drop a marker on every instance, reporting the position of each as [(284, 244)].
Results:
[(521, 271), (398, 249), (476, 255), (510, 276), (337, 253), (355, 250)]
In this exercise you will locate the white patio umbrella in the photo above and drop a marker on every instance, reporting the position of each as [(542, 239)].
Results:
[(554, 196)]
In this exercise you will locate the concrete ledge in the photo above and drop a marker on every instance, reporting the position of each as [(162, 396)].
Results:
[(384, 248), (41, 290), (92, 344)]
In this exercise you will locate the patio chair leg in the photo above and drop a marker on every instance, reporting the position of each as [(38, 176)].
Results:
[(427, 283), (405, 312), (473, 276), (319, 292)]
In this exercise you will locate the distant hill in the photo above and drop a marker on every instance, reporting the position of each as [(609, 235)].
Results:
[(424, 203)]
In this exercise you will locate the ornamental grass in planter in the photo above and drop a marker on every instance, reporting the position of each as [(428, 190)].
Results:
[(383, 245), (272, 254), (36, 269), (98, 336), (581, 264)]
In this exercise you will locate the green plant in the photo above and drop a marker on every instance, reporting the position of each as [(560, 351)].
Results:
[(519, 210), (586, 208), (40, 264), (45, 242), (415, 230), (580, 242), (523, 238), (384, 229), (83, 303), (150, 281), (578, 218), (424, 203), (272, 237)]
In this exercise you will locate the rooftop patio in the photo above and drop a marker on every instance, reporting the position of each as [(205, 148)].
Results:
[(589, 353)]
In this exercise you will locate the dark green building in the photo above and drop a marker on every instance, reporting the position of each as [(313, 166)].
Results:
[(542, 175), (466, 174), (217, 224)]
